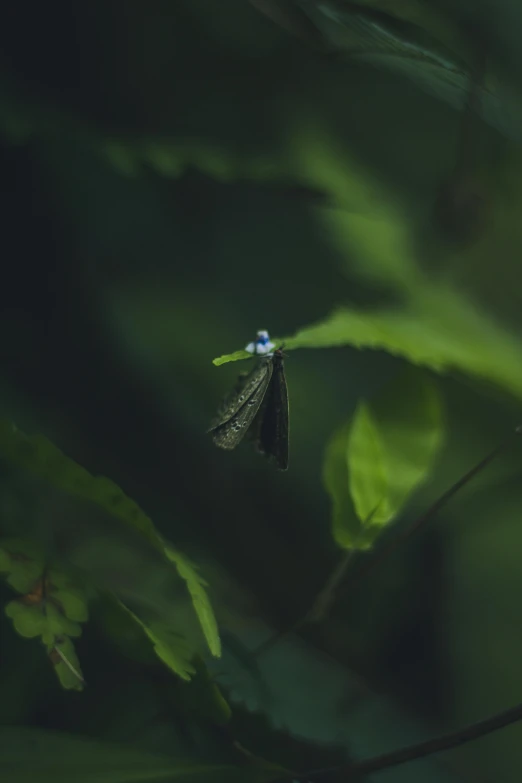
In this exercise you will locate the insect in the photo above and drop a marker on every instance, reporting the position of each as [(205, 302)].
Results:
[(258, 405)]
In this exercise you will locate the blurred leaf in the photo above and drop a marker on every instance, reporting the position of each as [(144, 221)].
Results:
[(290, 17), (368, 480), (196, 586), (50, 607), (409, 415), (296, 16), (114, 555), (232, 357), (66, 664), (46, 622), (440, 330), (42, 458), (374, 464), (201, 698), (29, 755), (345, 524), (417, 42), (169, 646)]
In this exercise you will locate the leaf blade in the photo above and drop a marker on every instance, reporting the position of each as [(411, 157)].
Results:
[(367, 478)]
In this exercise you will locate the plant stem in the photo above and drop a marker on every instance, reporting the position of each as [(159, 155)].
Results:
[(421, 750), (436, 506)]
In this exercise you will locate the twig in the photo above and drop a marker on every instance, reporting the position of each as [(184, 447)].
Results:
[(321, 601), (318, 609), (421, 750), (436, 506)]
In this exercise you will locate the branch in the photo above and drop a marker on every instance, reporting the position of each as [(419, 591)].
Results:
[(326, 595), (423, 749), (435, 507)]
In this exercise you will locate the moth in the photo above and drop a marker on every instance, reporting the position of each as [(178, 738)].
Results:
[(257, 406)]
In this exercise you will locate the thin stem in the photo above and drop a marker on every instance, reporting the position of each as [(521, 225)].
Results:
[(436, 506), (413, 752), (317, 611), (325, 596)]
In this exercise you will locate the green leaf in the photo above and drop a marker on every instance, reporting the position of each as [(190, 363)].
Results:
[(441, 331), (120, 550), (409, 415), (29, 755), (346, 526), (72, 602), (374, 463), (237, 356), (66, 664), (51, 607), (45, 621), (43, 459), (368, 480), (169, 646), (196, 586), (201, 698)]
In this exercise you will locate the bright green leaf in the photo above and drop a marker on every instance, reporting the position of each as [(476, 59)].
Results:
[(374, 463), (410, 419), (169, 646), (441, 330), (232, 357), (196, 586), (345, 523), (368, 480), (29, 755)]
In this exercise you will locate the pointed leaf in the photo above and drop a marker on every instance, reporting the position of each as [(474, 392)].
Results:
[(106, 535), (169, 646), (346, 525), (196, 586), (368, 480), (410, 418), (374, 464), (232, 357), (66, 664)]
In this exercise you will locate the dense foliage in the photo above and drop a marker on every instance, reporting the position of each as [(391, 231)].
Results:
[(179, 175)]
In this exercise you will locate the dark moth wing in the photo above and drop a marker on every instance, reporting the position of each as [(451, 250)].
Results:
[(240, 408), (270, 428)]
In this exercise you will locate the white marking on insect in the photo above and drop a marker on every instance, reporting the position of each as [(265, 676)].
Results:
[(262, 345)]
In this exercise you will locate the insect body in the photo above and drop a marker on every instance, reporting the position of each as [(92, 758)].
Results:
[(270, 426), (258, 405)]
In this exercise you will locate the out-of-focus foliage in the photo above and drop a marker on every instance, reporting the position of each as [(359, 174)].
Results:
[(414, 40), (179, 176), (49, 607), (376, 461)]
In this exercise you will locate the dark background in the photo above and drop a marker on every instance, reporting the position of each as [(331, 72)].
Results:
[(163, 188)]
